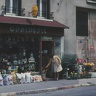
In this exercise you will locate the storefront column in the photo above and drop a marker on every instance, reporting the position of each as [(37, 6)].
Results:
[(40, 67)]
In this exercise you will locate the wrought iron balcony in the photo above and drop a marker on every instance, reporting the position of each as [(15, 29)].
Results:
[(12, 10), (21, 12), (43, 14)]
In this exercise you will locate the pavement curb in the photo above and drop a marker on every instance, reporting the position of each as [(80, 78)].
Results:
[(44, 90), (8, 94)]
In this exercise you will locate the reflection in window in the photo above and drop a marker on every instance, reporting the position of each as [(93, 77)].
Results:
[(11, 6), (42, 7), (15, 6), (7, 6)]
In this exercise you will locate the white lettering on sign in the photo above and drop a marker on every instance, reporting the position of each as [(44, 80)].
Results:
[(19, 29)]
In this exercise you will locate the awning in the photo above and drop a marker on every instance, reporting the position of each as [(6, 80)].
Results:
[(30, 21)]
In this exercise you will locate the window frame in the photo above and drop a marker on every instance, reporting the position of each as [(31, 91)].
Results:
[(10, 9), (40, 8)]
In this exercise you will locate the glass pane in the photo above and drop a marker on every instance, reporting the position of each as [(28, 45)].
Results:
[(7, 3), (38, 4), (44, 8), (15, 6)]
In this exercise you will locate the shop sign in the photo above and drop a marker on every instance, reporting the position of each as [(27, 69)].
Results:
[(33, 30), (34, 11), (46, 38), (19, 29)]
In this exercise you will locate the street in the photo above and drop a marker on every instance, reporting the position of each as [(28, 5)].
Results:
[(80, 91)]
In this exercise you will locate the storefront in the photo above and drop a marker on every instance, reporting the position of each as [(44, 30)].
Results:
[(26, 44)]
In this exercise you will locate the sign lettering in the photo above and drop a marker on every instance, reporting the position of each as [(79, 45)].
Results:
[(19, 29)]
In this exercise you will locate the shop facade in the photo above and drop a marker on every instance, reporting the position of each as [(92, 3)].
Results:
[(78, 15), (26, 45)]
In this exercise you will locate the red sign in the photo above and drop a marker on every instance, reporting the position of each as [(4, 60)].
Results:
[(92, 47), (81, 61)]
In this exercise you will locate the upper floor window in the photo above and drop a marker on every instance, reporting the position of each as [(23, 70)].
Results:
[(43, 8), (81, 22), (11, 6)]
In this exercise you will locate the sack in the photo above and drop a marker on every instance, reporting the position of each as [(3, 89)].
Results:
[(10, 79), (5, 79), (1, 80), (27, 77), (14, 77), (18, 76), (22, 78)]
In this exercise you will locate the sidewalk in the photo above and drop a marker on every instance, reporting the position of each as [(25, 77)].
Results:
[(45, 86)]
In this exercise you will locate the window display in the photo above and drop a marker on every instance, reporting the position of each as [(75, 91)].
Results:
[(18, 53)]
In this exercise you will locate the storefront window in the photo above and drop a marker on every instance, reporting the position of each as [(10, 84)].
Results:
[(19, 51), (11, 6)]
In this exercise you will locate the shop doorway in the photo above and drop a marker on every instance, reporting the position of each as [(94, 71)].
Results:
[(47, 50)]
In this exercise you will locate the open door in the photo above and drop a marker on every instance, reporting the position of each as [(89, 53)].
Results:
[(47, 50)]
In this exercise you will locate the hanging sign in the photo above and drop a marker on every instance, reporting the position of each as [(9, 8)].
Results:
[(34, 10)]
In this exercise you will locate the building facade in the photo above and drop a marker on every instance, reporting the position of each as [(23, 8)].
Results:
[(80, 17), (28, 35), (38, 28)]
